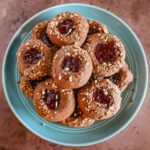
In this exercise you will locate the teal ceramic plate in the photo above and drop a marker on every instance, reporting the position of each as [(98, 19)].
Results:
[(101, 130)]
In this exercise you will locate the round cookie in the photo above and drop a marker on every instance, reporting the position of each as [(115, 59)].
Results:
[(107, 53), (67, 29), (100, 99), (34, 59), (27, 86), (71, 67), (123, 78), (53, 103), (96, 27)]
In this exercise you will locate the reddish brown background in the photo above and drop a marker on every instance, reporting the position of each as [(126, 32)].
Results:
[(13, 135)]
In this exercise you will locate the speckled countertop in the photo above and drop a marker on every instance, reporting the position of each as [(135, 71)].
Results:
[(13, 135)]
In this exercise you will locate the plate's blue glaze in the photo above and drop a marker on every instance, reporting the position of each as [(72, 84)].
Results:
[(101, 130)]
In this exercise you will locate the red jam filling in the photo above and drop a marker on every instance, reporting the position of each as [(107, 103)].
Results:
[(45, 39), (106, 52), (65, 27), (51, 98), (71, 63), (102, 97), (31, 56)]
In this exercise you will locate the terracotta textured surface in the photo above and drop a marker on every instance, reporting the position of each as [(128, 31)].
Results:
[(13, 135)]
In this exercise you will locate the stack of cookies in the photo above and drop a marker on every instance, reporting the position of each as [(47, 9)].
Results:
[(74, 70)]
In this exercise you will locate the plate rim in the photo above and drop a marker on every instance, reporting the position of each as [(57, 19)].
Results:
[(86, 143)]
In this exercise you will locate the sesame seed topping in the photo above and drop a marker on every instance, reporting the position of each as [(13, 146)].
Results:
[(55, 112), (27, 44), (66, 69), (59, 77), (70, 79), (105, 92)]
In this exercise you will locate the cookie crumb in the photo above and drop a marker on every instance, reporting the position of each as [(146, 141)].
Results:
[(130, 100)]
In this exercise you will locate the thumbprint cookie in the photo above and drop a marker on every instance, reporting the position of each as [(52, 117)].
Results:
[(34, 59), (53, 103), (100, 99), (107, 53), (67, 29), (71, 67)]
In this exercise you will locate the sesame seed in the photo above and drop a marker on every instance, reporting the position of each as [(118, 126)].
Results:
[(59, 77), (44, 107), (87, 63), (46, 83), (70, 79), (81, 125), (105, 92), (67, 69), (95, 81), (75, 120), (55, 112), (86, 119)]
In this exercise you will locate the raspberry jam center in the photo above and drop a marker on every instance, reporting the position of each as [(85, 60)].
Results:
[(65, 27), (51, 98), (45, 39), (71, 63), (102, 96), (31, 56), (106, 52)]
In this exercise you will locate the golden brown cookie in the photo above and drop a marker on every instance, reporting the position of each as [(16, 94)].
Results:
[(96, 27), (27, 86), (34, 59), (100, 99), (123, 78), (107, 53), (71, 67), (68, 28), (53, 103)]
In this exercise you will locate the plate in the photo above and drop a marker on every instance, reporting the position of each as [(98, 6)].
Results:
[(101, 130)]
